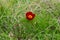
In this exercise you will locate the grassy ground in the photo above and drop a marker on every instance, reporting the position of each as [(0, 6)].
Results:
[(14, 25)]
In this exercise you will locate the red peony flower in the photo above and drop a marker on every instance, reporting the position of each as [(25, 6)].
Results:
[(30, 15)]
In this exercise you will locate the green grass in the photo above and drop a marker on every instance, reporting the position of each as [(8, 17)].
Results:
[(14, 25)]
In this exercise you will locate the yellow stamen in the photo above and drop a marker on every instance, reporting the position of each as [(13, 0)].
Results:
[(30, 16)]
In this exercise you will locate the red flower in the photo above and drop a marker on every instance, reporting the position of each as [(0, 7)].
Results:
[(30, 15)]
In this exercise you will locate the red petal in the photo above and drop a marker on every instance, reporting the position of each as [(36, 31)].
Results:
[(28, 13)]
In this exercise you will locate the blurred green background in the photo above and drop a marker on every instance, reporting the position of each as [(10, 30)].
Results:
[(15, 26)]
